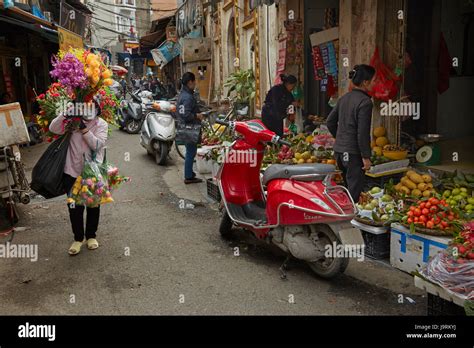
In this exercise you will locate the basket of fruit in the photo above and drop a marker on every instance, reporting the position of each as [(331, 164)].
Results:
[(432, 217), (394, 152), (373, 211)]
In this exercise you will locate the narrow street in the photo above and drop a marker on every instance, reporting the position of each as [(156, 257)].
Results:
[(155, 258)]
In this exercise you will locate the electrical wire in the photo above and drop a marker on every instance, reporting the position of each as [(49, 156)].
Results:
[(117, 32), (121, 15), (115, 23), (138, 8)]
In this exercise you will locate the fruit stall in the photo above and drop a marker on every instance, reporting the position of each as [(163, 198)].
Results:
[(417, 219), (423, 225)]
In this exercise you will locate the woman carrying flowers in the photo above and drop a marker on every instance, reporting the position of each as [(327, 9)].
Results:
[(88, 136), (81, 76)]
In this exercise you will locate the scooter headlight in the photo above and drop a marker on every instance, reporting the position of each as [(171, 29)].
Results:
[(165, 121)]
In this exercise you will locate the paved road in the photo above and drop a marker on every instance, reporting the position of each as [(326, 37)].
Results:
[(177, 264)]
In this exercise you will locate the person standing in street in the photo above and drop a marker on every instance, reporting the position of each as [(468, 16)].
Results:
[(90, 137), (188, 112), (277, 101), (123, 84), (349, 122)]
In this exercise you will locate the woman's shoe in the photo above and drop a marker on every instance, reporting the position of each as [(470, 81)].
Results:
[(75, 248), (92, 244)]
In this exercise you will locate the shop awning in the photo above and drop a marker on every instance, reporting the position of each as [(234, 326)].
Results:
[(157, 36), (125, 55), (24, 16), (45, 32)]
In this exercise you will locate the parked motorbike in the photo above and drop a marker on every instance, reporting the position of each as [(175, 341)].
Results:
[(159, 130), (131, 113), (303, 212), (14, 187)]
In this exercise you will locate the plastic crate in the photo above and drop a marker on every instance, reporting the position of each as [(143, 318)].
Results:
[(389, 166), (376, 240), (437, 306), (213, 190)]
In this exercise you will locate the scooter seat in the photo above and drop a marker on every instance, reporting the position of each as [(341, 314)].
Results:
[(283, 171)]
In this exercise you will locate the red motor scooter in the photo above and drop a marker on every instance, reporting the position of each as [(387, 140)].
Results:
[(303, 211)]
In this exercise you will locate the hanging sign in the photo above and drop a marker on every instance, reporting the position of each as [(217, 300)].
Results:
[(69, 39)]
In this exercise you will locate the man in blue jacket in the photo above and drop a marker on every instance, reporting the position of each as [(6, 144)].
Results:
[(188, 111)]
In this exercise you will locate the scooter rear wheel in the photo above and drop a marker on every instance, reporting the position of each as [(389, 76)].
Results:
[(132, 127), (225, 228), (329, 267)]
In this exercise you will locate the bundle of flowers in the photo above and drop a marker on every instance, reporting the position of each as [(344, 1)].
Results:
[(82, 78), (49, 103), (108, 105), (114, 179), (91, 188)]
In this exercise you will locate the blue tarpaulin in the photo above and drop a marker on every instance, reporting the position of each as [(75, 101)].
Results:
[(165, 53)]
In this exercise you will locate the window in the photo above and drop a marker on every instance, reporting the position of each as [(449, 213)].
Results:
[(125, 20), (249, 6), (125, 2)]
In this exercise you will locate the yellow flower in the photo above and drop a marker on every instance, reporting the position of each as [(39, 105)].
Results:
[(90, 57), (107, 74), (108, 82)]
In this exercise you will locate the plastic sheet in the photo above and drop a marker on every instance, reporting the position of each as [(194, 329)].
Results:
[(454, 274)]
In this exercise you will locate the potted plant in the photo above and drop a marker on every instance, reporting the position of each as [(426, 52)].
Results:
[(241, 86)]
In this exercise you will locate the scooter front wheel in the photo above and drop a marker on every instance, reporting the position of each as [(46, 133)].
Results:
[(329, 267), (161, 153), (225, 228)]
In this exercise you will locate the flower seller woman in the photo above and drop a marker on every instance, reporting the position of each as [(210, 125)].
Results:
[(89, 136)]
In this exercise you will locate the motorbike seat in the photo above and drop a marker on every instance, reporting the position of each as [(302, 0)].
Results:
[(283, 171)]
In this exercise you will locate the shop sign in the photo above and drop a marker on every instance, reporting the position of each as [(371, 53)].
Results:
[(72, 19), (130, 46), (68, 39)]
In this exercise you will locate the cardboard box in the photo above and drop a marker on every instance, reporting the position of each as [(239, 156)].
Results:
[(410, 252), (13, 129)]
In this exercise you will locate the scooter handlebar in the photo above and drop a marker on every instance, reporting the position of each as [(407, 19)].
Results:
[(284, 142), (224, 123), (280, 141)]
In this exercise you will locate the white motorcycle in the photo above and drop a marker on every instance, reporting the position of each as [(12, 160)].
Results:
[(159, 130)]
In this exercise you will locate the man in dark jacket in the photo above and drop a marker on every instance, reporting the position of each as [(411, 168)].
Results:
[(187, 111), (349, 122)]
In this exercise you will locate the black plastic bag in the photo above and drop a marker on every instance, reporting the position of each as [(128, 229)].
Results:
[(188, 133), (47, 175)]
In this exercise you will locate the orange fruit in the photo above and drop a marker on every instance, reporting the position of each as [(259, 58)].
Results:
[(379, 132), (381, 141)]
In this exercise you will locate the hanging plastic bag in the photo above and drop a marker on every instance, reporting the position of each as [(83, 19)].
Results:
[(91, 188), (47, 175), (8, 4), (386, 81)]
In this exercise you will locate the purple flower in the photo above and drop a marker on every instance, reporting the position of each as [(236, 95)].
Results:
[(70, 72)]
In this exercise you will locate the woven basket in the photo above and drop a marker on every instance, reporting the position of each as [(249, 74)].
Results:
[(431, 232), (369, 222)]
